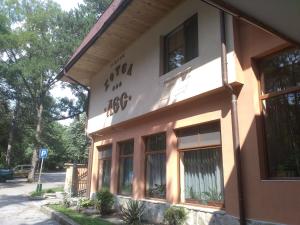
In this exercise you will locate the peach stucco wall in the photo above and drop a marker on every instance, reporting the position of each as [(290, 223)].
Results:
[(192, 112), (268, 200)]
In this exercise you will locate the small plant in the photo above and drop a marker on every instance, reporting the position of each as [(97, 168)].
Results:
[(175, 216), (104, 201), (85, 203), (132, 213), (66, 202), (212, 195), (158, 190)]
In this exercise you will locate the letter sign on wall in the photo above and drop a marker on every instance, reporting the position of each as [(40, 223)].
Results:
[(118, 103)]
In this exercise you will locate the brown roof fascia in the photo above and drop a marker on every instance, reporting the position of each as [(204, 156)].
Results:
[(106, 19)]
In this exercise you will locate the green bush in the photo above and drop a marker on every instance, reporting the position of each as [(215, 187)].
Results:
[(104, 201), (85, 202), (175, 216), (132, 213)]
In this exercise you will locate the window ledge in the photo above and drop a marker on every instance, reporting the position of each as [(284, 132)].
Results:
[(124, 196), (161, 201), (202, 209), (174, 76)]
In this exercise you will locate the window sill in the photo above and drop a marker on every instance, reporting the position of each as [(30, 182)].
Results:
[(154, 200), (151, 200), (175, 74), (202, 208), (124, 196)]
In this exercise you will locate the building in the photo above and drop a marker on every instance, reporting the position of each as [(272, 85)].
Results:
[(191, 106)]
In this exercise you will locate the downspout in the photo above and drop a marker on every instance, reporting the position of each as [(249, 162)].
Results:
[(234, 119)]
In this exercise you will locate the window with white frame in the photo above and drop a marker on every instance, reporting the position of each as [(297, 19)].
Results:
[(201, 171)]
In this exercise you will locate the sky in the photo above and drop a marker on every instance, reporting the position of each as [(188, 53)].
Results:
[(68, 4), (58, 91)]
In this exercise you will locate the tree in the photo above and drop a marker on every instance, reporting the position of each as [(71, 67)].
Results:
[(32, 55), (36, 39), (76, 142)]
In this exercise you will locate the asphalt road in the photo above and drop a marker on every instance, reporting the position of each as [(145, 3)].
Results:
[(16, 209)]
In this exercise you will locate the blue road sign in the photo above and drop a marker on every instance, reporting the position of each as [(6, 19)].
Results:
[(43, 153)]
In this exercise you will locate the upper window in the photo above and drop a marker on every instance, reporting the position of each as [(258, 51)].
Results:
[(105, 165), (201, 171), (280, 98), (156, 166), (181, 45), (126, 167)]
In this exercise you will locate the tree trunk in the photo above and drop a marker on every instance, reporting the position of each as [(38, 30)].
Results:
[(10, 141), (11, 135), (38, 131)]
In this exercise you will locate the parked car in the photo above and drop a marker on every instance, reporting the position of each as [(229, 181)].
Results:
[(6, 174), (22, 170)]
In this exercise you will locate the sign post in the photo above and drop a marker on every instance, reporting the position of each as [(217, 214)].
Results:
[(42, 155)]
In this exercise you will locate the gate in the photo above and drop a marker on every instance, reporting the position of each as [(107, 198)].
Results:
[(82, 178), (76, 179)]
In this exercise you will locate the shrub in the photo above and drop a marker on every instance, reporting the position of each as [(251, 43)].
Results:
[(104, 201), (132, 213), (66, 202), (85, 203), (175, 216)]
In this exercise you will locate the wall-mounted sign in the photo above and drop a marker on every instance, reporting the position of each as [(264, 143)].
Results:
[(117, 103), (121, 69)]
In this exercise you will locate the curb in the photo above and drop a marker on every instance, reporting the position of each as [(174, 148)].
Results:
[(57, 216)]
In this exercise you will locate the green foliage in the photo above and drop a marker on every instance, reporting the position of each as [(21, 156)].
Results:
[(85, 203), (55, 189), (49, 190), (159, 190), (36, 39), (75, 141), (104, 201), (212, 195), (175, 216), (79, 218), (66, 202), (133, 212)]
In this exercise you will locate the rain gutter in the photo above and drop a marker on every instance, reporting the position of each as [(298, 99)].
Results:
[(234, 119)]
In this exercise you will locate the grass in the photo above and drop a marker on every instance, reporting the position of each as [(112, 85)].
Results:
[(53, 190), (80, 218), (49, 190)]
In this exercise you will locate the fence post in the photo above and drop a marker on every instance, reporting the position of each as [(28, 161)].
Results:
[(74, 180)]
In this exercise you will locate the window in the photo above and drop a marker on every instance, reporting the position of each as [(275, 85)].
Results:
[(126, 167), (181, 45), (201, 173), (156, 166), (280, 100), (105, 165)]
